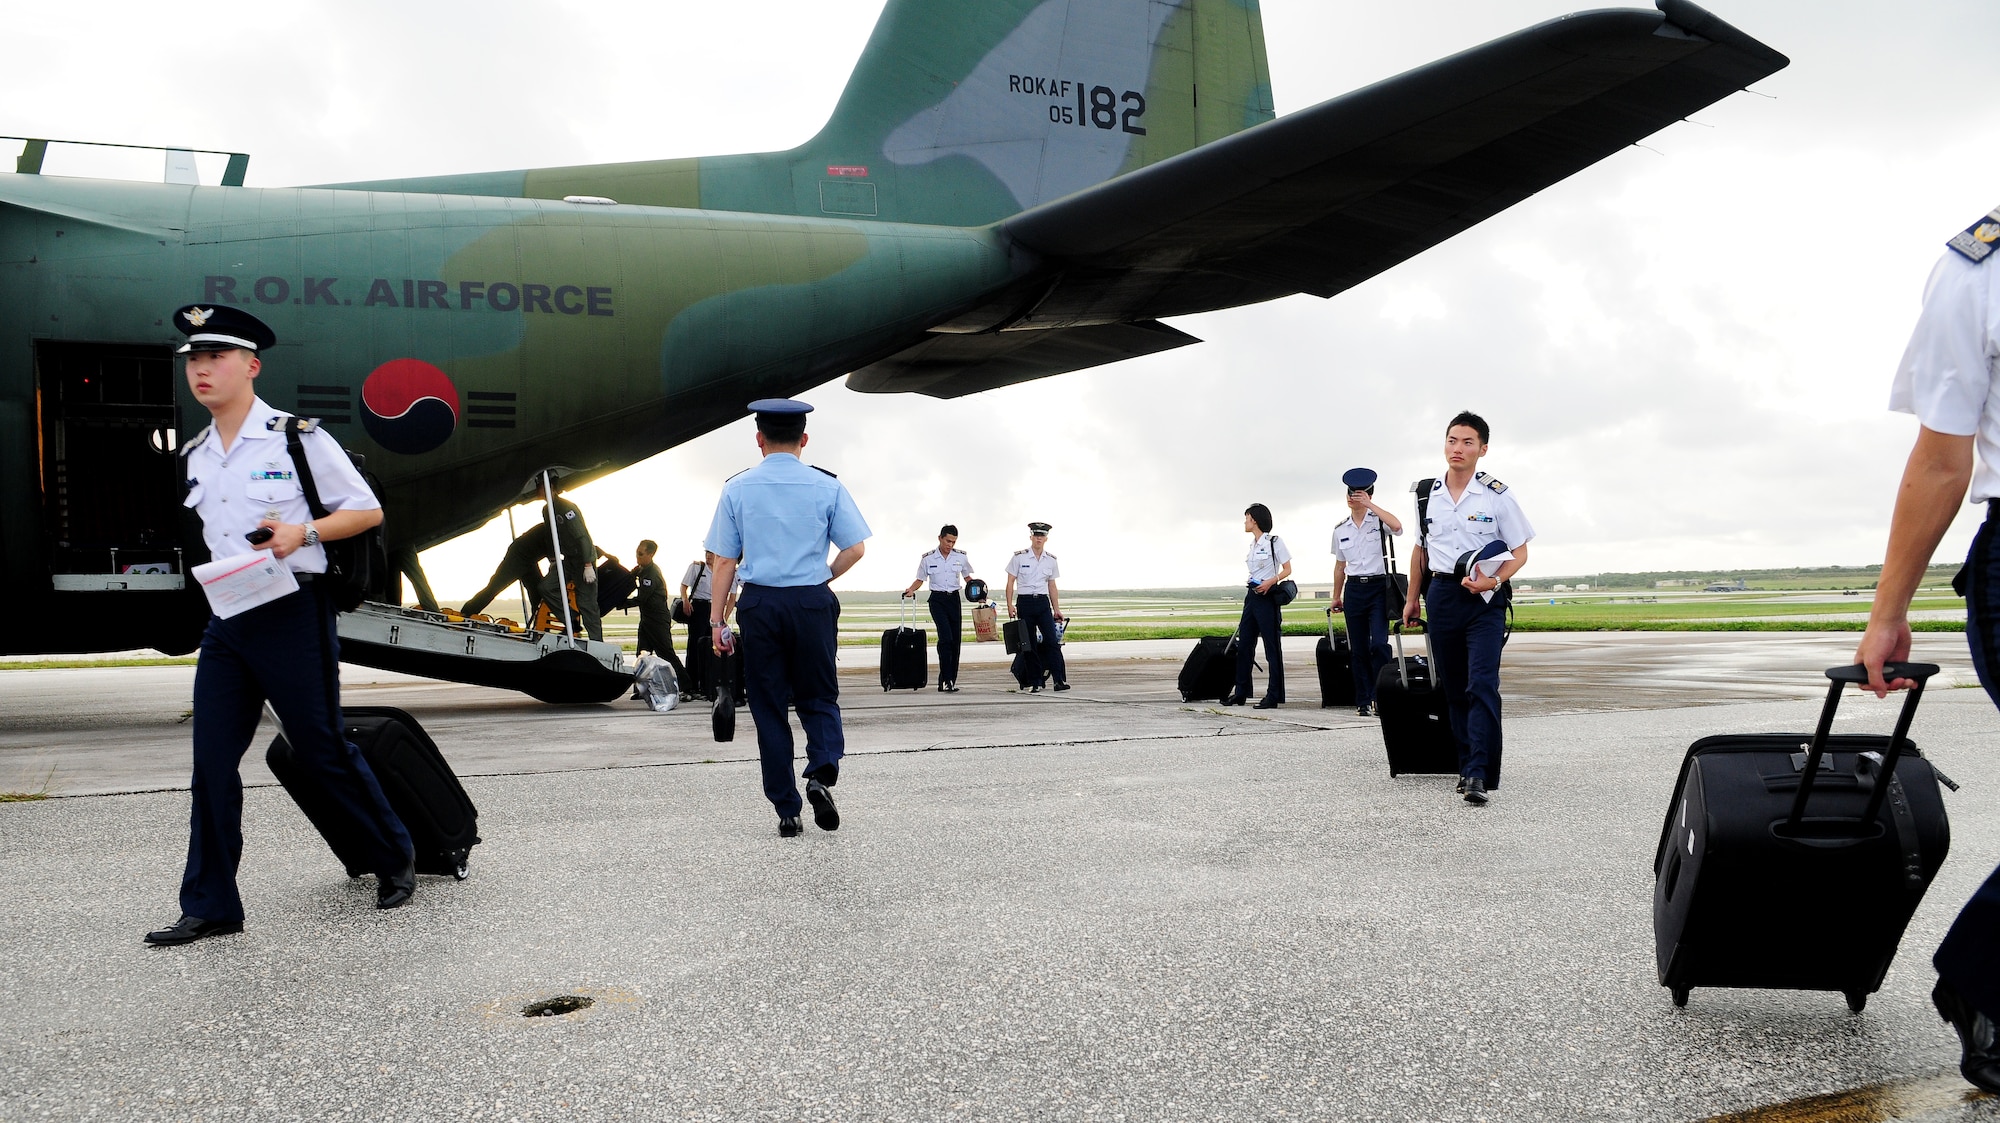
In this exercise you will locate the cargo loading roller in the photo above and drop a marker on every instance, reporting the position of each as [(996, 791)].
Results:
[(547, 666)]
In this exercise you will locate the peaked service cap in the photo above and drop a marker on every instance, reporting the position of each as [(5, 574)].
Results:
[(780, 407), (1470, 558), (220, 327), (1357, 479), (1038, 528)]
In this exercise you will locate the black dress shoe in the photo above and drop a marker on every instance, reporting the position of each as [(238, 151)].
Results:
[(825, 815), (1061, 686), (1236, 699), (1362, 711), (948, 687), (1475, 791), (393, 891), (788, 827), (1268, 703), (1980, 1059), (188, 929), (1460, 789)]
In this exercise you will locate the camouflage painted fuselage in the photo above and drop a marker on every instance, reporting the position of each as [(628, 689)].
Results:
[(575, 335)]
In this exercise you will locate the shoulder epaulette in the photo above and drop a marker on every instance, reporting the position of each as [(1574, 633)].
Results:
[(817, 468), (1492, 485), (1018, 553), (1975, 242), (195, 442), (282, 422)]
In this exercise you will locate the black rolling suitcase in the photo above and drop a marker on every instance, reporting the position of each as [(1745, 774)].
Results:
[(905, 658), (1209, 673), (1026, 666), (1415, 730), (421, 789), (1336, 667), (1787, 862)]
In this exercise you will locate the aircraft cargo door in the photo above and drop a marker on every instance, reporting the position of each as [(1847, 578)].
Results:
[(108, 434)]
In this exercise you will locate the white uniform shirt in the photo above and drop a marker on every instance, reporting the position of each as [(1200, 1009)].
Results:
[(1360, 547), (1267, 555), (696, 579), (255, 480), (1479, 516), (1032, 574), (944, 573), (1948, 374)]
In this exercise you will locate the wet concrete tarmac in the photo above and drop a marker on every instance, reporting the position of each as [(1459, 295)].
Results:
[(1096, 905)]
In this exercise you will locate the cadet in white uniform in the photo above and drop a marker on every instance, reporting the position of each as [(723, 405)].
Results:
[(1361, 592), (945, 570), (1463, 517), (1950, 379), (1269, 562), (244, 483), (1031, 579)]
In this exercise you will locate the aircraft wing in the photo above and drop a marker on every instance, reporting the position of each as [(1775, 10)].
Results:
[(1322, 199), (951, 366)]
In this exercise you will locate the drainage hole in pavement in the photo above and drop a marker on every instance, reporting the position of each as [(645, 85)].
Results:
[(556, 1007)]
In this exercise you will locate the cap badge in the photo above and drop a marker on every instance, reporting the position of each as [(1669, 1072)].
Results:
[(198, 316)]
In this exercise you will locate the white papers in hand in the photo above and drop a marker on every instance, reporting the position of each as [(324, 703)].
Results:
[(244, 581), (1487, 567)]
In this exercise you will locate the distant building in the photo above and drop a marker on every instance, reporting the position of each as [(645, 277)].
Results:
[(1559, 587), (1582, 587)]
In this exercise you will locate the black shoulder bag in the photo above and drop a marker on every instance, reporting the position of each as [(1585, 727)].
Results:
[(354, 565), (1286, 591)]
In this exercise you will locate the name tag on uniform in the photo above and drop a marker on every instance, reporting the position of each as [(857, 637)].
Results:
[(241, 582)]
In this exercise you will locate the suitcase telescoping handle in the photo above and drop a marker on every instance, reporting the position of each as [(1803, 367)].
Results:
[(1918, 673), (1402, 669)]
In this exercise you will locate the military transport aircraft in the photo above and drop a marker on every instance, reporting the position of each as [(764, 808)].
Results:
[(1006, 190)]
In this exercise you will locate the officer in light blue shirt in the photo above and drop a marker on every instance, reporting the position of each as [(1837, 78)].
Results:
[(773, 529)]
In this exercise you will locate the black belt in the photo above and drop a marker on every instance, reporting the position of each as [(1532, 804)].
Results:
[(1037, 596), (1367, 577)]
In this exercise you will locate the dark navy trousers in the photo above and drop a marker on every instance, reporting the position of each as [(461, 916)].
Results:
[(1969, 957), (1260, 618), (1466, 634), (288, 652), (949, 617), (789, 634), (1038, 632), (1363, 603)]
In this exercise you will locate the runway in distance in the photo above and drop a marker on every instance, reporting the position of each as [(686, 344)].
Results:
[(1006, 190)]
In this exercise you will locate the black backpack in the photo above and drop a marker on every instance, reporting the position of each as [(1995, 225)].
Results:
[(355, 566)]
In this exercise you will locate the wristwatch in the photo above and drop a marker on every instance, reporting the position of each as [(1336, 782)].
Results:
[(312, 535)]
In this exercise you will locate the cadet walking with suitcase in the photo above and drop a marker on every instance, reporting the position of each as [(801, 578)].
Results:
[(1361, 586), (1465, 520), (248, 491), (945, 570), (774, 525), (1033, 598), (1270, 566), (1948, 379)]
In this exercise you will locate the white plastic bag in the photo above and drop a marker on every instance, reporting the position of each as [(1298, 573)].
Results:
[(654, 679)]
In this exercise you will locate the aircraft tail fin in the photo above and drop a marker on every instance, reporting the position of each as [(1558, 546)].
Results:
[(962, 112)]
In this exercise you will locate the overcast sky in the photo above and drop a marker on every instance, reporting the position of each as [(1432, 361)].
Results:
[(1684, 351)]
